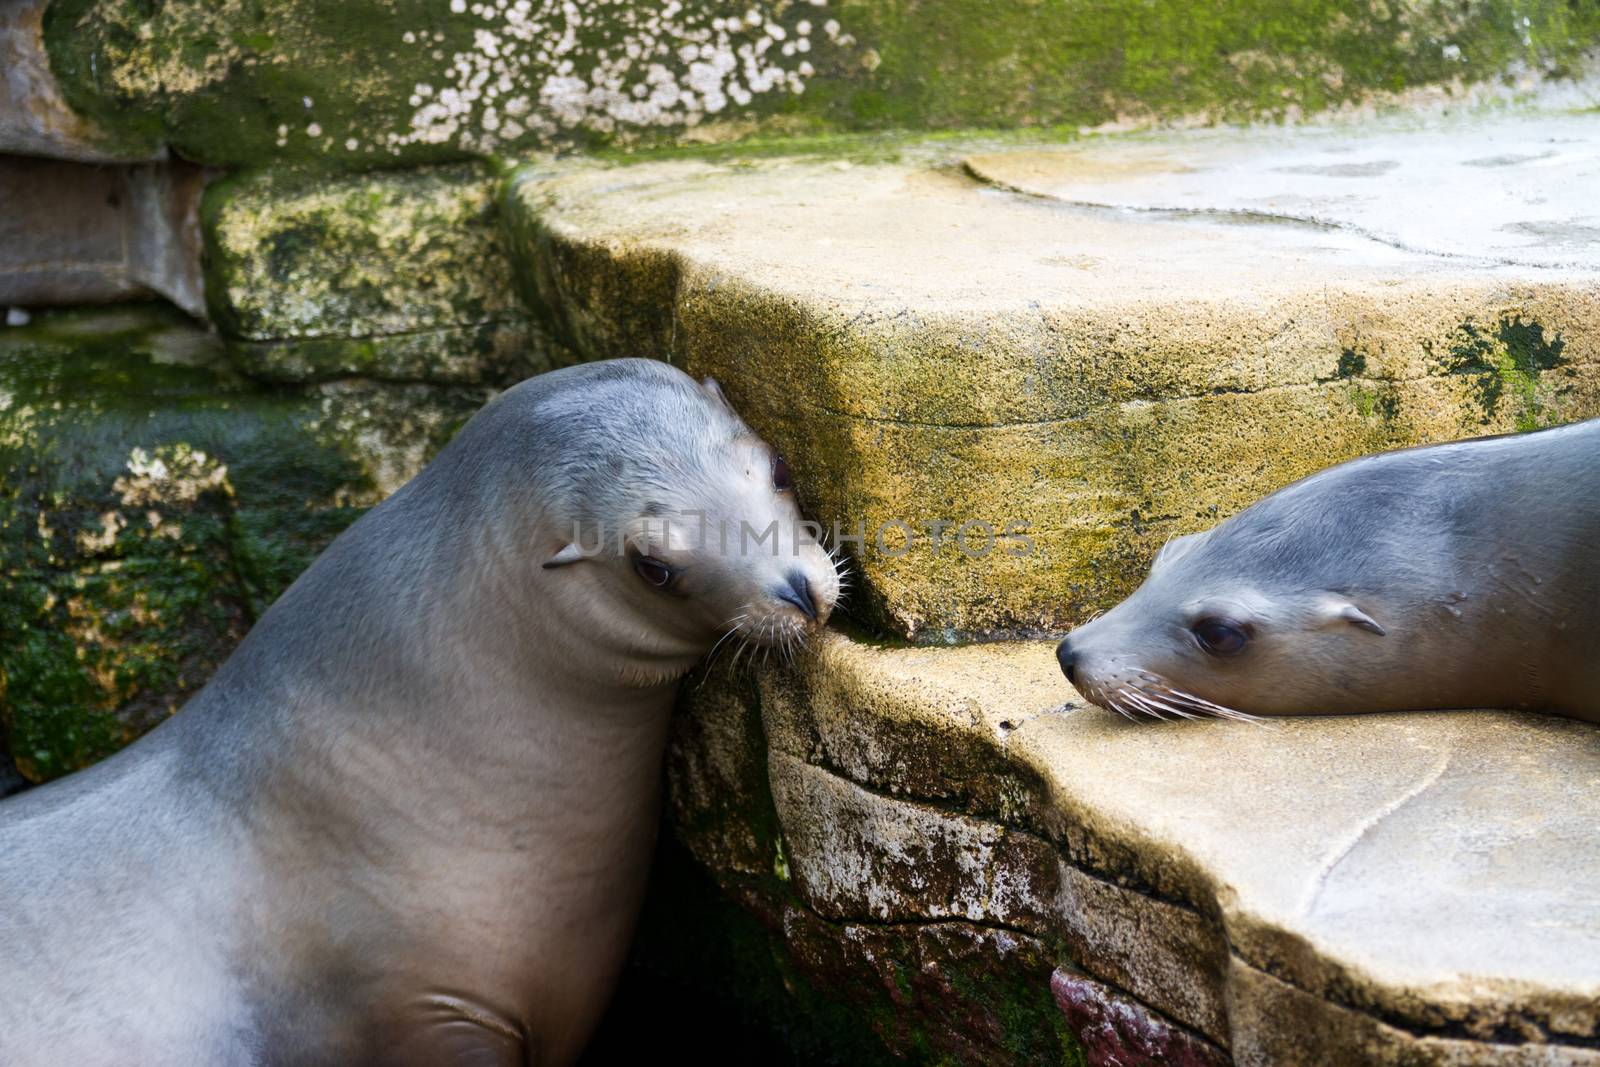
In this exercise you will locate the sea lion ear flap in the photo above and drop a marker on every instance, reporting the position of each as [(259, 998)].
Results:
[(1344, 611), (570, 553), (709, 384)]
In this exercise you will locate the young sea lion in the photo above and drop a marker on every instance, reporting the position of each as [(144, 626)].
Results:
[(1459, 575), (409, 820)]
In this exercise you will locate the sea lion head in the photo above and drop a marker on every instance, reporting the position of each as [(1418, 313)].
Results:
[(661, 504), (1326, 597)]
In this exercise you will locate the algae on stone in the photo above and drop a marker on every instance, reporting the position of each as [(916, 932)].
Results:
[(399, 275), (906, 981), (373, 82), (154, 504)]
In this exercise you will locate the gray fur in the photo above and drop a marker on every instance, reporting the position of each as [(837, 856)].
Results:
[(409, 819), (1452, 576)]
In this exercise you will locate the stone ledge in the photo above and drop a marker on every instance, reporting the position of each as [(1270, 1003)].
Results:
[(399, 276), (1386, 889), (926, 347), (365, 83)]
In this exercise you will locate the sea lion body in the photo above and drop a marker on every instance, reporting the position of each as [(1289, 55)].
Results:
[(1459, 575), (409, 820)]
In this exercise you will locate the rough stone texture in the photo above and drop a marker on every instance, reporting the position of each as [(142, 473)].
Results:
[(929, 349), (945, 990), (1118, 1031), (152, 504), (1400, 889), (34, 118), (369, 82), (400, 275), (73, 233)]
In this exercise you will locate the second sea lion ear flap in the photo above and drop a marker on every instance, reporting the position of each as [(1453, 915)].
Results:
[(1339, 610)]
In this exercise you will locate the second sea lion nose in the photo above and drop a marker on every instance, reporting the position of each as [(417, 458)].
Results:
[(1068, 659)]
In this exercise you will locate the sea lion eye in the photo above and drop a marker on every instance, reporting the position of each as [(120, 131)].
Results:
[(1220, 637), (653, 571), (780, 475)]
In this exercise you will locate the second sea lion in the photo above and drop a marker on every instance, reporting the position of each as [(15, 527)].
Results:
[(1460, 575)]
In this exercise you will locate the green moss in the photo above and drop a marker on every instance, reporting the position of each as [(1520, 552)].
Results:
[(1381, 401), (401, 276), (228, 81), (1352, 364), (1506, 363), (152, 504)]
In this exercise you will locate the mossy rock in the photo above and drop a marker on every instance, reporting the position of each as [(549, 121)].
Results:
[(948, 991), (400, 275), (375, 83), (154, 503)]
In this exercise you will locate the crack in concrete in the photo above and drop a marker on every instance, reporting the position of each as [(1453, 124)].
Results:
[(1249, 216), (420, 331), (1343, 849), (1138, 403)]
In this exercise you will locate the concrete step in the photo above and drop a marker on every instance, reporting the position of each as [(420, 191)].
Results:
[(1097, 345), (1378, 890)]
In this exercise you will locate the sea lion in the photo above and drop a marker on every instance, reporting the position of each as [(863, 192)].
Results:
[(1460, 575), (409, 820)]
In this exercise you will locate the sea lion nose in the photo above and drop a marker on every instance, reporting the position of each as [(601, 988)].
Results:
[(1068, 659), (798, 593)]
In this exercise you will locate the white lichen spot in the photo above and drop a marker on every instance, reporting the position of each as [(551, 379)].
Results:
[(557, 65), (172, 474), (112, 523), (313, 129)]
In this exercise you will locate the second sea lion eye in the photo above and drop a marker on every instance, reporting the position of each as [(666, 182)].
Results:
[(1220, 637), (780, 475), (653, 571)]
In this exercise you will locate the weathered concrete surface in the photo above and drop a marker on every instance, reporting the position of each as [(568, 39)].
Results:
[(34, 118), (74, 233), (929, 349), (400, 275), (1410, 889), (153, 503), (1509, 190), (371, 82)]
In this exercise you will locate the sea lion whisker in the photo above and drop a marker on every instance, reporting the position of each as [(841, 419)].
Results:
[(1207, 707), (1143, 702), (1151, 700)]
